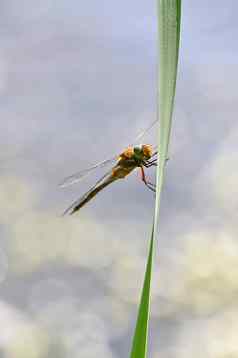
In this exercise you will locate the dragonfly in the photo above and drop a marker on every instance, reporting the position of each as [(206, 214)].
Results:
[(134, 156)]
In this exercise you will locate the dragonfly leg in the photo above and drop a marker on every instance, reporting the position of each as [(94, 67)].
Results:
[(148, 184), (152, 160), (143, 175), (151, 187), (150, 163), (153, 164), (145, 164), (151, 184)]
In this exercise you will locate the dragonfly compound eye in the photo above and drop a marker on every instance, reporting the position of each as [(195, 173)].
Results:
[(147, 150)]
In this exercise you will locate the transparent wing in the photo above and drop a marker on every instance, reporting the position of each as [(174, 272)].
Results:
[(78, 176), (78, 201), (144, 132)]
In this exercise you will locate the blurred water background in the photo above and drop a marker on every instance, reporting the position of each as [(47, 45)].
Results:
[(77, 84)]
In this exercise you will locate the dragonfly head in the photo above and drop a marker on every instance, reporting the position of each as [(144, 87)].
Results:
[(143, 152), (147, 150)]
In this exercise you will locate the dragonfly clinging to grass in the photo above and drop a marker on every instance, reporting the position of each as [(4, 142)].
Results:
[(142, 156)]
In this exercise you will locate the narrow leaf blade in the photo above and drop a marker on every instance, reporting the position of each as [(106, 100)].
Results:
[(169, 14), (139, 344), (169, 17)]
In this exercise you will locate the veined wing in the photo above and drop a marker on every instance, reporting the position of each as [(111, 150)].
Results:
[(78, 201), (144, 132), (76, 177)]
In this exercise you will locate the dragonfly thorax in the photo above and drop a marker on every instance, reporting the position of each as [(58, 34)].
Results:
[(138, 154)]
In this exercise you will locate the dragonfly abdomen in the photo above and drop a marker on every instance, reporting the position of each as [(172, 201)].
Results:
[(120, 172), (90, 195)]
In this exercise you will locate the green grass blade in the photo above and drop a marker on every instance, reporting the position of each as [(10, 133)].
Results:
[(139, 344), (169, 13)]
